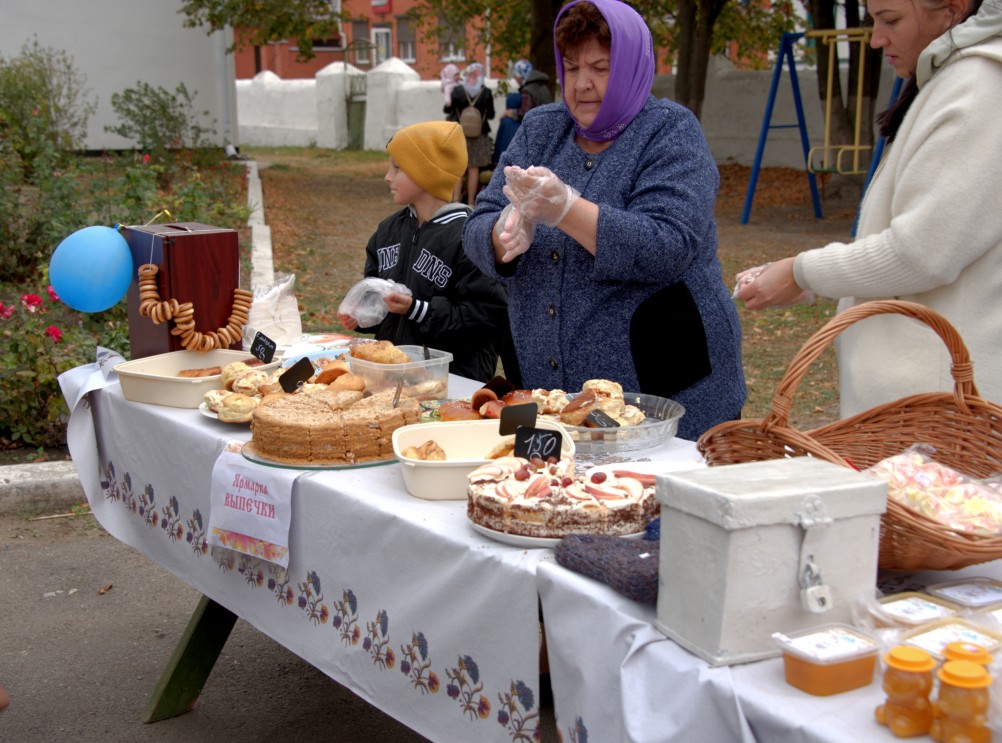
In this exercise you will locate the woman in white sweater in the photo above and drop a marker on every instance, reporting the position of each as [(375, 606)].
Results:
[(931, 223)]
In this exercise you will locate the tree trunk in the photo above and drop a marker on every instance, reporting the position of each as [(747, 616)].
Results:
[(696, 19), (543, 14)]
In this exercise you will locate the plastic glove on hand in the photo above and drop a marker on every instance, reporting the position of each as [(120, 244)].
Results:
[(539, 194), (514, 233)]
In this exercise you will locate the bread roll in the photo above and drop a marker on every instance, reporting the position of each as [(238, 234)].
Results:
[(237, 408)]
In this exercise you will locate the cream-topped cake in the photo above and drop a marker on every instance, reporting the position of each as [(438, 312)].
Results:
[(545, 499)]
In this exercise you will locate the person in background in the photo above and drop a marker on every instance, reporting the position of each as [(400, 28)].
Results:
[(601, 226), (471, 92), (930, 226), (454, 307), (508, 125), (534, 86), (450, 78)]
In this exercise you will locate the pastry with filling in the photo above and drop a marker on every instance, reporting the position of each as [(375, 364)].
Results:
[(514, 496)]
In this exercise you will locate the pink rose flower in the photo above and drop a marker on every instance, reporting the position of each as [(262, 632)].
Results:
[(54, 333), (146, 159), (52, 294), (6, 311), (31, 302)]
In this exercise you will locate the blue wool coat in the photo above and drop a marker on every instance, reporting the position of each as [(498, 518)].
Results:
[(650, 310)]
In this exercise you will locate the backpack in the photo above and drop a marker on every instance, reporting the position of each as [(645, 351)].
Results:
[(471, 120)]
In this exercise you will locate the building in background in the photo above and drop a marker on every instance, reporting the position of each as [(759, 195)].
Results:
[(378, 30)]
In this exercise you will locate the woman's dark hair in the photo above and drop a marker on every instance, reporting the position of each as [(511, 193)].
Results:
[(889, 121), (582, 22)]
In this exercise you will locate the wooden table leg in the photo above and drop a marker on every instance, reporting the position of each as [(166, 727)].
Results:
[(189, 667)]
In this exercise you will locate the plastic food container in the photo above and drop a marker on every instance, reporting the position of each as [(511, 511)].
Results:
[(421, 379), (935, 636), (974, 593), (829, 659), (155, 380), (466, 444), (658, 427), (911, 608)]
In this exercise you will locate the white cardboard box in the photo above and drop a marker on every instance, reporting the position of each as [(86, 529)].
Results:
[(741, 543)]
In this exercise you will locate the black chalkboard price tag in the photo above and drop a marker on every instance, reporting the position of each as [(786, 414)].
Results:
[(513, 416), (295, 375), (537, 442), (599, 419), (263, 347)]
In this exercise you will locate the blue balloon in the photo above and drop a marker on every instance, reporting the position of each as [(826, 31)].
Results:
[(91, 269)]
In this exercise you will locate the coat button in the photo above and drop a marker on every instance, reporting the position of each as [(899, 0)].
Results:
[(551, 311), (553, 363), (589, 164), (555, 256)]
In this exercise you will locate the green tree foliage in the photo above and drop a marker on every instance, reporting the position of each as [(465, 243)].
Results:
[(266, 21)]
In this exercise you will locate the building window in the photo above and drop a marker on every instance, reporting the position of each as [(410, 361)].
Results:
[(382, 40), (406, 43), (452, 42), (360, 39)]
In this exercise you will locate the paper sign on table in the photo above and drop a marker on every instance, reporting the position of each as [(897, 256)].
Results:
[(251, 507)]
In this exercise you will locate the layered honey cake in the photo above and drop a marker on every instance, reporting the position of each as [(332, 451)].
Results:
[(545, 499), (329, 426)]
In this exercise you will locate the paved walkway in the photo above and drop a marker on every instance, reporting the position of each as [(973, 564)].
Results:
[(54, 486)]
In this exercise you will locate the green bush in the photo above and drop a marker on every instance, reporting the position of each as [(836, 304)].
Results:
[(42, 84), (34, 352)]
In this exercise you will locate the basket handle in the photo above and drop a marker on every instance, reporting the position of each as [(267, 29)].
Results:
[(961, 368)]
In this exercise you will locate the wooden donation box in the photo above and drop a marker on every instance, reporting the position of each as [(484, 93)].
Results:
[(198, 264)]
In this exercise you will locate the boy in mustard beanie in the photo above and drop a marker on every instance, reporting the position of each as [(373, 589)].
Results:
[(452, 306)]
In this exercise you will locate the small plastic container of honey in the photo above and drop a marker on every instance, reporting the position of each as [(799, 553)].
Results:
[(829, 659), (971, 651), (911, 608), (974, 593), (935, 636)]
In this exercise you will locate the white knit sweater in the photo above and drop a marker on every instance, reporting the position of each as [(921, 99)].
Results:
[(930, 231)]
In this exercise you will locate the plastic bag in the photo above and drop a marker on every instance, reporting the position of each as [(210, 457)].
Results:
[(275, 313), (916, 480), (364, 301), (750, 274)]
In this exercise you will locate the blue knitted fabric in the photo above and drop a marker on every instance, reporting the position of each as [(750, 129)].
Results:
[(571, 312)]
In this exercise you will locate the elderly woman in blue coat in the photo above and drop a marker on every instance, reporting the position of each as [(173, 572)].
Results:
[(600, 222)]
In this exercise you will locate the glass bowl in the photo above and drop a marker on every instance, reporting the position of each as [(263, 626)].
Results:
[(659, 427)]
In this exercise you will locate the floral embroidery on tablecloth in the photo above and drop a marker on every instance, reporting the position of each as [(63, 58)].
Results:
[(345, 619), (465, 685), (376, 642), (278, 584), (311, 599), (147, 507), (170, 520), (516, 712), (415, 665), (576, 734), (196, 534)]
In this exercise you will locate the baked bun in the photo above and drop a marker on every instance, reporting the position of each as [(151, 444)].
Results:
[(380, 352), (233, 370), (213, 399), (249, 382), (348, 381), (271, 385), (237, 408), (457, 410), (604, 388), (331, 371), (578, 409)]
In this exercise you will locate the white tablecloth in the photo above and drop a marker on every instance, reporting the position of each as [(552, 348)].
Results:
[(617, 678), (396, 598)]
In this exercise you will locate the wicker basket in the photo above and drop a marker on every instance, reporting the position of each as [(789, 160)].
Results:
[(965, 429)]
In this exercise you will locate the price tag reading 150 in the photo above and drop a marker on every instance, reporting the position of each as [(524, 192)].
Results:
[(537, 442)]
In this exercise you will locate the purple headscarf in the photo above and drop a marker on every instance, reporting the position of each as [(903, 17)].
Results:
[(631, 69)]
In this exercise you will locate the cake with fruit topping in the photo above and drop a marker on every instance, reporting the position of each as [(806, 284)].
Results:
[(545, 499)]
